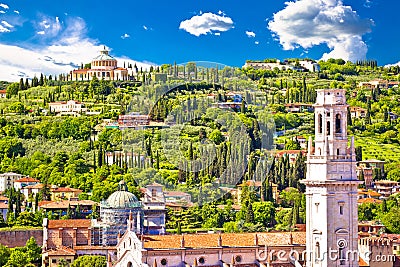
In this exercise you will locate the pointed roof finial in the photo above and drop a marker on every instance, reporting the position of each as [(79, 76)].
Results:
[(291, 239), (183, 241)]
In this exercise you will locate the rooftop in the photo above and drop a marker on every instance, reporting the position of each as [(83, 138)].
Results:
[(65, 189), (228, 239), (65, 203), (73, 223), (369, 200), (27, 180)]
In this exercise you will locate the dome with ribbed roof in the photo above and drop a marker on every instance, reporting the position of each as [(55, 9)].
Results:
[(122, 199), (104, 55)]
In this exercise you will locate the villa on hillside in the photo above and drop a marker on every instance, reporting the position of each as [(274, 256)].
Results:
[(67, 107), (304, 65)]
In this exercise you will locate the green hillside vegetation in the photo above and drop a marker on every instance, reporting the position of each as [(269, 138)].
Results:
[(71, 151)]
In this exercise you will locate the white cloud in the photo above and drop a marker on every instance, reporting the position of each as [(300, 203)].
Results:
[(368, 3), (257, 42), (4, 6), (6, 24), (41, 32), (125, 36), (206, 23), (3, 29), (250, 34), (68, 50), (306, 23), (2, 12), (217, 34), (145, 27), (16, 12), (49, 25)]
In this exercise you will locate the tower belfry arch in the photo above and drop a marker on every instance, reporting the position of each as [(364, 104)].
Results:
[(331, 186)]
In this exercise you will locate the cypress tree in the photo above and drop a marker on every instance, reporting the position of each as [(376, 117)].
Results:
[(249, 213)]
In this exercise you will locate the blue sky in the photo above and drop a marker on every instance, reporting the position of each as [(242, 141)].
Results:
[(53, 36)]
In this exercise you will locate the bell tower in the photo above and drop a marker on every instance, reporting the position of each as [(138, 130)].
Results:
[(331, 186)]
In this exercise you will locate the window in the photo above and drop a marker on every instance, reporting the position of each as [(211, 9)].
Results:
[(337, 151), (319, 123), (341, 210), (238, 258), (164, 262), (317, 251), (341, 256), (202, 260), (328, 128), (338, 123), (53, 260)]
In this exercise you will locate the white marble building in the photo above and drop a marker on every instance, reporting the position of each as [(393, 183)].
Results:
[(331, 186)]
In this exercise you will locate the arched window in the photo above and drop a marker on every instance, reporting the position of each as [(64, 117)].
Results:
[(338, 123), (317, 251), (337, 151), (328, 128), (320, 123)]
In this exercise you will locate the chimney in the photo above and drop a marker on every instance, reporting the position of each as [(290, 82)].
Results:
[(219, 240), (255, 240), (290, 238)]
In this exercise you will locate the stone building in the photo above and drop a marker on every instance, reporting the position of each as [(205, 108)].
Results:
[(331, 185), (115, 211), (103, 66), (210, 250)]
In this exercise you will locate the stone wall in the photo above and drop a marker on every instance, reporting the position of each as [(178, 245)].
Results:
[(18, 238)]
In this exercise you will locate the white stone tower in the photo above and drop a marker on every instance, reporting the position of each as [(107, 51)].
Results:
[(331, 186)]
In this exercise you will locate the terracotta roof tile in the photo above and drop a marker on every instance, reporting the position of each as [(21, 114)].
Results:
[(3, 205), (36, 186), (63, 251), (65, 203), (27, 180), (81, 223), (228, 239), (362, 263), (369, 200), (65, 189)]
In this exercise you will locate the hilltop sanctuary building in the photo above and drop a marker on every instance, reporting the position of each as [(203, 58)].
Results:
[(103, 66)]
